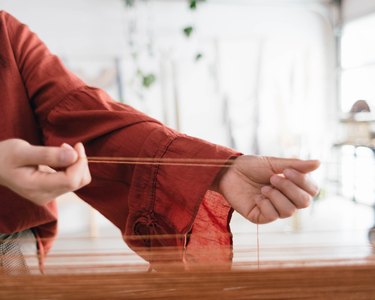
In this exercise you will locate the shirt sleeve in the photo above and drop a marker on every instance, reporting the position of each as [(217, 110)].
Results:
[(154, 206)]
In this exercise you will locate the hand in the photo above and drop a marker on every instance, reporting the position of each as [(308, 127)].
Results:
[(23, 169), (263, 189)]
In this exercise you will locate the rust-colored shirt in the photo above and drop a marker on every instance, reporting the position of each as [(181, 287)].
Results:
[(44, 104)]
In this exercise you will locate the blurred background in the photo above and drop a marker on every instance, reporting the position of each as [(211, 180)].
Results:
[(272, 77)]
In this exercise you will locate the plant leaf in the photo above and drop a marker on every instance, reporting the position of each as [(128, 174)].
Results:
[(148, 80), (129, 3), (193, 4), (188, 31)]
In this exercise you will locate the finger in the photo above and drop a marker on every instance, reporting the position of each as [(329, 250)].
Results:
[(282, 204), (51, 156), (87, 175), (278, 165), (267, 212), (254, 215), (46, 169), (299, 197), (82, 153), (53, 184), (302, 180), (78, 171), (73, 178)]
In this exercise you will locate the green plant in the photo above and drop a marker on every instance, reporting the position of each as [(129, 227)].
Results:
[(147, 79)]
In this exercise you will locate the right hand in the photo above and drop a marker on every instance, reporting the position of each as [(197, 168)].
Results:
[(22, 169), (263, 189)]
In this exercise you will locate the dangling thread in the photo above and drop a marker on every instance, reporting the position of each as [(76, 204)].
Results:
[(258, 254)]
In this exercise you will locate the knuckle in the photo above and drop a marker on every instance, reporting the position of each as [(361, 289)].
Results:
[(17, 151), (17, 143)]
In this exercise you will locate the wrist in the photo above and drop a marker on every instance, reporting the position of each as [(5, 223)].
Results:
[(216, 184)]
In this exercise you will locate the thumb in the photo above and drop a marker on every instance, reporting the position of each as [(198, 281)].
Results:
[(51, 156), (304, 166)]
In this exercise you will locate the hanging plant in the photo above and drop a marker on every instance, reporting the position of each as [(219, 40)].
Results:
[(189, 30), (192, 3), (147, 79)]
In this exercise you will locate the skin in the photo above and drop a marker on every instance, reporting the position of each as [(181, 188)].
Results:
[(23, 169), (260, 188), (263, 189)]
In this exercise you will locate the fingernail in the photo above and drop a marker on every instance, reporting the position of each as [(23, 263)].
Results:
[(66, 146), (288, 172), (68, 156)]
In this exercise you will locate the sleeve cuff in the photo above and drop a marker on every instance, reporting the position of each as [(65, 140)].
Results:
[(167, 202)]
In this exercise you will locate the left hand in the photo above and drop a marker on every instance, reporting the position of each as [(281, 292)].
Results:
[(24, 169), (263, 189)]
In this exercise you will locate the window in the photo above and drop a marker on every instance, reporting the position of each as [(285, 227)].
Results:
[(358, 62)]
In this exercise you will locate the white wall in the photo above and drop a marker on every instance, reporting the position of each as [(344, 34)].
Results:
[(73, 27), (353, 9)]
